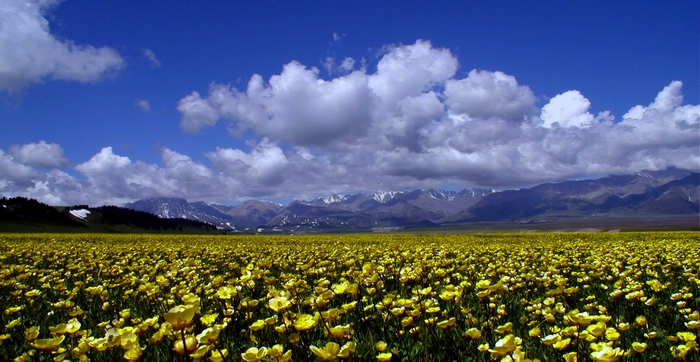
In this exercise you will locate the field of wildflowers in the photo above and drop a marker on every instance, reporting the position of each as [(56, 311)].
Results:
[(491, 297)]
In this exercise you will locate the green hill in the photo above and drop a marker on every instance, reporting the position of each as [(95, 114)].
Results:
[(20, 214)]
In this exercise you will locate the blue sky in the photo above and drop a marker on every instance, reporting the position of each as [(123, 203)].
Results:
[(105, 102)]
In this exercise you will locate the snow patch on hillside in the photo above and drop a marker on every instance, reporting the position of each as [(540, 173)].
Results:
[(81, 214)]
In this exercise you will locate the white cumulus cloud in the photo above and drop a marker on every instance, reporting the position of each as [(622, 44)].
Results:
[(39, 154), (295, 107), (485, 94), (569, 109), (29, 52), (413, 123), (265, 165)]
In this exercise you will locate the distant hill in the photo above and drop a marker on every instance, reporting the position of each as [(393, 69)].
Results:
[(19, 213), (668, 192), (30, 212), (349, 212)]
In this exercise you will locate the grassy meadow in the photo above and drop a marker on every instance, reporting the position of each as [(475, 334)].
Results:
[(363, 297)]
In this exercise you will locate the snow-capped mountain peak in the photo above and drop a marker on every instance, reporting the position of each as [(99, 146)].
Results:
[(441, 194), (334, 198), (384, 196)]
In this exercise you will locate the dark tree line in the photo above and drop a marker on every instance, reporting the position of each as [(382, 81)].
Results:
[(22, 210), (29, 211), (114, 215)]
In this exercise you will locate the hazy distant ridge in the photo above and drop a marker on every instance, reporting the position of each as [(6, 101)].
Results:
[(669, 192)]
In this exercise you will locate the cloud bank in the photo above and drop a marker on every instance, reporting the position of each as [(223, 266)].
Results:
[(29, 52), (413, 123)]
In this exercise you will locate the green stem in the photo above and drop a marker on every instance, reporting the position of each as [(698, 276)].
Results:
[(184, 345), (223, 358)]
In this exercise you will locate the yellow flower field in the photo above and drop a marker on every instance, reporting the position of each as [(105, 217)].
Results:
[(365, 297)]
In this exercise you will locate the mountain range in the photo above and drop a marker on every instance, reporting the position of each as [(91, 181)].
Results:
[(668, 192)]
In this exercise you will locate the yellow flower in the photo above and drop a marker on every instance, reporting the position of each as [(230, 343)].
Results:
[(258, 325), (562, 344), (473, 333), (31, 333), (611, 334), (679, 352), (640, 321), (156, 338), (347, 350), (483, 293), (639, 347), (209, 319), (349, 306), (270, 321), (58, 329), (339, 331), (304, 322), (11, 310), (692, 325), (447, 294), (128, 340), (48, 344), (551, 339), (216, 355), (686, 336), (200, 352), (13, 323), (209, 335), (180, 317), (483, 284), (294, 338), (535, 332), (279, 304), (571, 357), (380, 346), (384, 357), (133, 354), (328, 353), (397, 311), (190, 342), (606, 354), (504, 346), (226, 292), (569, 331), (506, 328), (432, 310), (286, 357), (597, 329), (446, 324), (275, 351), (73, 326), (253, 354), (340, 288), (580, 319), (33, 293)]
